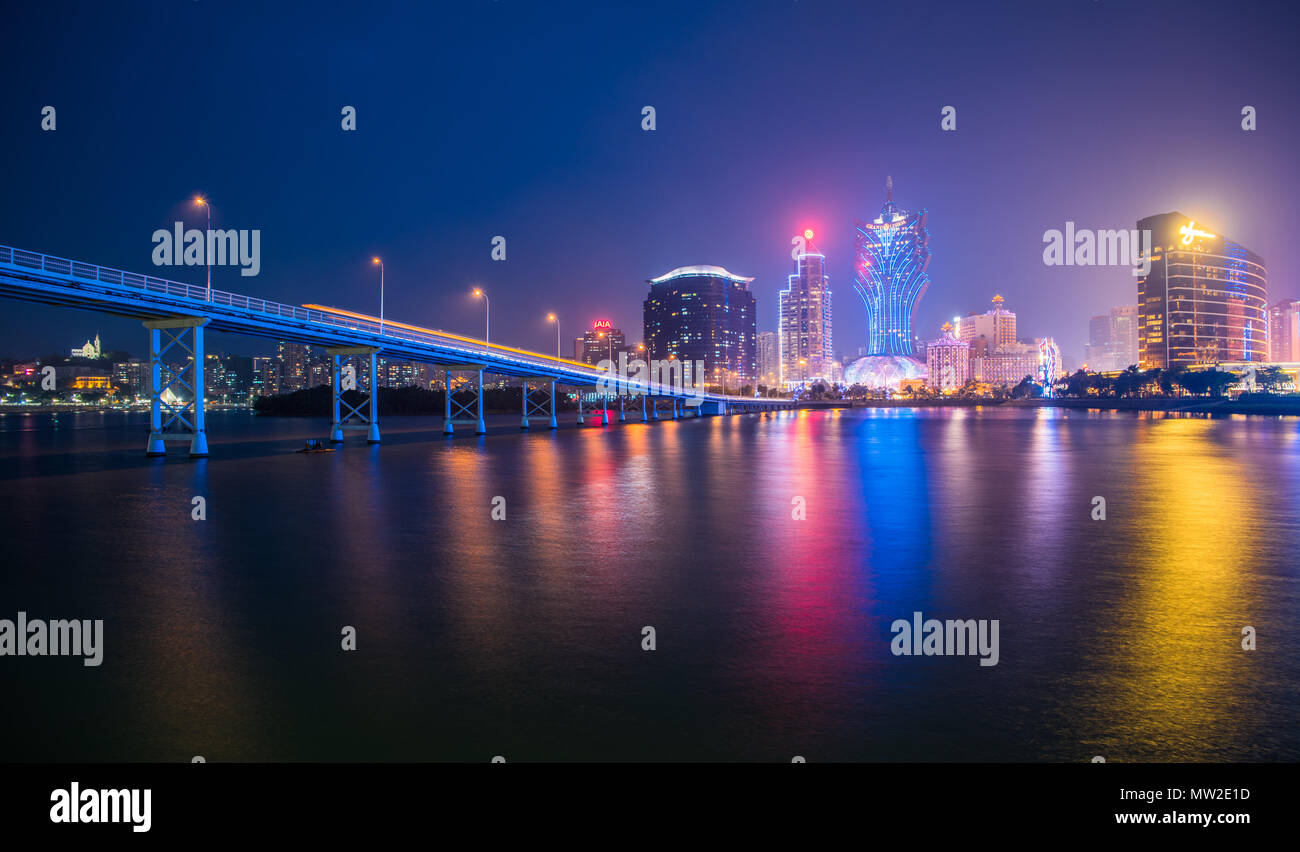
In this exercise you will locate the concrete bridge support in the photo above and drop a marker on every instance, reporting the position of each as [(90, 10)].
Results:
[(341, 358), (190, 422)]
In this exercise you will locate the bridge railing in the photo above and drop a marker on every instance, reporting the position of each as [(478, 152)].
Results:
[(149, 284)]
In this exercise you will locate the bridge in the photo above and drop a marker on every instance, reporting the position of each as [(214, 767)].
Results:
[(175, 315)]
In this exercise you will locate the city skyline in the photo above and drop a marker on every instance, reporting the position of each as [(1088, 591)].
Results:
[(340, 198)]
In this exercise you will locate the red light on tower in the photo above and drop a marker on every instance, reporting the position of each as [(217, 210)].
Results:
[(808, 234)]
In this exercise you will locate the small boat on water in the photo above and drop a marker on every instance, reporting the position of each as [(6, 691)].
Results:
[(315, 445)]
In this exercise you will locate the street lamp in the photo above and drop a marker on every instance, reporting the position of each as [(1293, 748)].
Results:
[(553, 318), (376, 261), (207, 242), (605, 415), (487, 315)]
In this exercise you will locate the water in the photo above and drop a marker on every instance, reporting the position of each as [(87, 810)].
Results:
[(522, 637)]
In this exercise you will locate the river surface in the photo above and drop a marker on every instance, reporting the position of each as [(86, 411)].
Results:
[(523, 637)]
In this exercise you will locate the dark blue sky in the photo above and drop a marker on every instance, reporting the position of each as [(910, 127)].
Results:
[(522, 119)]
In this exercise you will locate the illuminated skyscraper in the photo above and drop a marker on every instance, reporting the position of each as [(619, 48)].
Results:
[(893, 255), (805, 336), (1204, 300), (769, 358), (1112, 339), (703, 313), (291, 369), (602, 343)]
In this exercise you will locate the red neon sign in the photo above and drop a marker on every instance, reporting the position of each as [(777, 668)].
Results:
[(602, 324)]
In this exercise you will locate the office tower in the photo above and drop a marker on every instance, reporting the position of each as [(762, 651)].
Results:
[(769, 359), (602, 342), (1112, 340), (264, 382), (893, 253), (1284, 331), (291, 366), (805, 320), (706, 314), (1203, 301)]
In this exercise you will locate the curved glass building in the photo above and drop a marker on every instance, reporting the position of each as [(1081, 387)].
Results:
[(893, 255), (703, 313), (1204, 300)]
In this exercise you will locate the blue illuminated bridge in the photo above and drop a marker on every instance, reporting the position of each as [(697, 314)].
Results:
[(175, 315)]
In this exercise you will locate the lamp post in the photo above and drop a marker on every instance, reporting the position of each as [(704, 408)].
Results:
[(207, 243), (605, 412), (553, 318), (380, 264), (487, 316)]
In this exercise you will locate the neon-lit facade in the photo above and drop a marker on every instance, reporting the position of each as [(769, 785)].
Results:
[(1204, 300), (805, 312), (893, 253)]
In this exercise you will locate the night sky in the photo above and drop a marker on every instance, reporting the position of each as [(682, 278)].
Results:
[(523, 119)]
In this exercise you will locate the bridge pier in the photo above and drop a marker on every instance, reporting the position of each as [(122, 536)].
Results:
[(339, 355), (579, 406), (654, 408), (675, 414), (604, 410), (622, 417), (644, 416), (192, 431), (537, 409), (467, 413)]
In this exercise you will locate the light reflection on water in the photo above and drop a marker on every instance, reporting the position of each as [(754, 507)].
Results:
[(523, 637)]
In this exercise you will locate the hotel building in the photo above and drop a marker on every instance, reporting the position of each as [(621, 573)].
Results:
[(1204, 300), (703, 313), (805, 320)]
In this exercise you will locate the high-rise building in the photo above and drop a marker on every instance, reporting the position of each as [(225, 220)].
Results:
[(949, 361), (703, 313), (988, 331), (1284, 331), (769, 359), (264, 382), (136, 376), (805, 320), (1113, 340), (893, 253), (1203, 300), (291, 369), (602, 342)]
